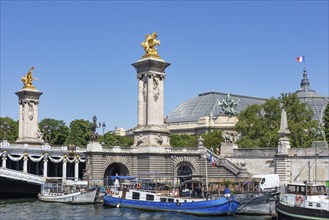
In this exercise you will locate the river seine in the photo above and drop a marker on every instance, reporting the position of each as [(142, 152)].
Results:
[(15, 209)]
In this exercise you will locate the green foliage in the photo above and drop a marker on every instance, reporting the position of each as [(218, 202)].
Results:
[(80, 133), (58, 131), (8, 129), (110, 139), (213, 139), (183, 140), (259, 124), (326, 122)]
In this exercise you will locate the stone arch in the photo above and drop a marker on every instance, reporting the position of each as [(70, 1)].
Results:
[(185, 166), (120, 161), (189, 161)]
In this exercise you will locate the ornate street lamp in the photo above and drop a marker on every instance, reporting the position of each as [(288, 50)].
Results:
[(94, 136)]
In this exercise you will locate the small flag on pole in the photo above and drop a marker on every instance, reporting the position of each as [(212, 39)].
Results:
[(211, 160), (301, 59)]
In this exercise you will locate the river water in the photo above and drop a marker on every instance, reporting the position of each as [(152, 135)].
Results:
[(33, 209)]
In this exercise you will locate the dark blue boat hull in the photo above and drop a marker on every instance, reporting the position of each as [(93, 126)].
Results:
[(222, 206)]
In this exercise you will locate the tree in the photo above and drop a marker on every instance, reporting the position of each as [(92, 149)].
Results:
[(183, 140), (55, 131), (213, 139), (259, 124), (8, 129), (110, 139), (326, 122), (80, 133)]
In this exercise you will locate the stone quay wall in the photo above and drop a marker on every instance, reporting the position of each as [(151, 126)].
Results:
[(303, 164)]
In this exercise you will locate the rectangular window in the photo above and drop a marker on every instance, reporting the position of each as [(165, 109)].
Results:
[(135, 195), (170, 200), (149, 197), (163, 200)]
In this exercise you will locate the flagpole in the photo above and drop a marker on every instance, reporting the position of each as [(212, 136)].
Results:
[(206, 170)]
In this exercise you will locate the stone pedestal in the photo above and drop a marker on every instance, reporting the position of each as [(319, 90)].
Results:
[(282, 163), (94, 146), (150, 130), (29, 132)]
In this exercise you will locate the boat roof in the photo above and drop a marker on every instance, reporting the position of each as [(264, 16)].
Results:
[(303, 184)]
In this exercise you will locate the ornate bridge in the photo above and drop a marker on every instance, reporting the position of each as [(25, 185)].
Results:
[(21, 176)]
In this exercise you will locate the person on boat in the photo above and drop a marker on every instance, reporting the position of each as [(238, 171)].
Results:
[(227, 192), (116, 185)]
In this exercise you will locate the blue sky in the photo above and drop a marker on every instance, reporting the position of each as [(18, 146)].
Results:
[(83, 50)]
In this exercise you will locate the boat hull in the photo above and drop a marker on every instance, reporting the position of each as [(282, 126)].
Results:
[(257, 203), (73, 198), (293, 212), (222, 206)]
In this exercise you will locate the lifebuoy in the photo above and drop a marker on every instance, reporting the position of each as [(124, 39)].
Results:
[(138, 186), (299, 200)]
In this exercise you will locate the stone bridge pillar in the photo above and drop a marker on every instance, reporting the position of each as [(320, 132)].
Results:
[(151, 130), (28, 132)]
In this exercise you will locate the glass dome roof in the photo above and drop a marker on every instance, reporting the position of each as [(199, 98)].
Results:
[(316, 101), (205, 104)]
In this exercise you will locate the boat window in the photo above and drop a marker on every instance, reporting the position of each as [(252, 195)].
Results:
[(149, 197), (314, 190), (310, 204), (318, 205), (171, 200), (322, 190), (136, 195), (163, 200), (185, 200), (301, 189), (291, 189)]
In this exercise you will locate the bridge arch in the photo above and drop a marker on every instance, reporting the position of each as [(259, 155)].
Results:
[(116, 165)]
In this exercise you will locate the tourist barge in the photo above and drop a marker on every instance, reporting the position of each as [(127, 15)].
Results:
[(133, 196)]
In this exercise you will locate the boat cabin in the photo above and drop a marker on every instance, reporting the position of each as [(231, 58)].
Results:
[(311, 190), (312, 196)]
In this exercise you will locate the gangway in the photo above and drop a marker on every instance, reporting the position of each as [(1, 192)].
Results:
[(21, 176)]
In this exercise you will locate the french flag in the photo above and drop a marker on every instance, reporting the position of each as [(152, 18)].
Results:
[(301, 59), (212, 161)]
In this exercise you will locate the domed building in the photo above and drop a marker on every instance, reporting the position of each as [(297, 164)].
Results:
[(207, 112), (309, 96), (204, 113)]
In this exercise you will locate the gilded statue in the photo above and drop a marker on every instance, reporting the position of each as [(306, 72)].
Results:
[(149, 45), (27, 80)]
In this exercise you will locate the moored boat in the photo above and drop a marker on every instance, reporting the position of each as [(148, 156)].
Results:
[(259, 195), (154, 201), (67, 191), (304, 201)]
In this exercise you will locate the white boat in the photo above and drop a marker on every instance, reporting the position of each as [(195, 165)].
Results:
[(67, 191), (304, 201)]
